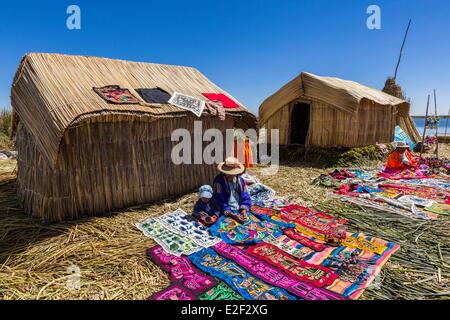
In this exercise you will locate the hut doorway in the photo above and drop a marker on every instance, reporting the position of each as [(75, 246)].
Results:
[(299, 123)]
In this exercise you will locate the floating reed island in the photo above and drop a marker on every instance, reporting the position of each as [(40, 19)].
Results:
[(80, 155)]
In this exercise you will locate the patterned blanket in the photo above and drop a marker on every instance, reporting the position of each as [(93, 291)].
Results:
[(249, 286)]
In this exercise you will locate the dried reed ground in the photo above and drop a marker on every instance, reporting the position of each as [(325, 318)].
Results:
[(110, 251)]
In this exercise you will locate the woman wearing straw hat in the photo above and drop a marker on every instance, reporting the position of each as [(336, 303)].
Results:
[(400, 159), (230, 190)]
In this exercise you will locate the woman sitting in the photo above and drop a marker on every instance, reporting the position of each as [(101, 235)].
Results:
[(230, 190), (400, 159)]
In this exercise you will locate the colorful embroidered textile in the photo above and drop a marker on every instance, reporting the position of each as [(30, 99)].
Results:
[(154, 95), (192, 104), (251, 232), (289, 246), (326, 226), (174, 292), (182, 223), (116, 94), (172, 242), (181, 270), (359, 241), (297, 236), (263, 211), (247, 285), (316, 275), (439, 208), (274, 276), (227, 102), (260, 194), (220, 292)]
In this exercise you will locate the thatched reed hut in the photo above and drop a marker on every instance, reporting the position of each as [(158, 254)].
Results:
[(331, 112), (79, 155)]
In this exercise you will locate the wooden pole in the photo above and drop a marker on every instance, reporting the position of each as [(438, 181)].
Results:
[(446, 122), (424, 127), (437, 125), (401, 50)]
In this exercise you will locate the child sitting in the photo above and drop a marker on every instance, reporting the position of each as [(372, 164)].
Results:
[(206, 209)]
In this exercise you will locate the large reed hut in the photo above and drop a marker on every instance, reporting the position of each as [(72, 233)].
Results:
[(331, 112), (80, 155)]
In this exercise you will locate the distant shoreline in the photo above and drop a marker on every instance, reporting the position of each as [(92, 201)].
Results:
[(419, 117)]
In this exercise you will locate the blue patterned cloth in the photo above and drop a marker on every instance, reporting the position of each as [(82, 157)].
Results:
[(249, 286)]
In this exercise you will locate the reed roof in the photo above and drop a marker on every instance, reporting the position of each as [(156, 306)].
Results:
[(51, 91), (341, 94)]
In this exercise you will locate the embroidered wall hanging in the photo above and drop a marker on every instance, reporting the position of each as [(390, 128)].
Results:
[(192, 104), (116, 94)]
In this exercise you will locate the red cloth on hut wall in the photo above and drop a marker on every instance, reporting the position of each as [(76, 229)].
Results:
[(227, 102), (248, 159)]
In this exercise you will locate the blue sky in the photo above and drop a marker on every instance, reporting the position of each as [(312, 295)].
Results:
[(250, 48)]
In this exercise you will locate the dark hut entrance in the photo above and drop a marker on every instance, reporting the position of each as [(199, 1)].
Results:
[(299, 123)]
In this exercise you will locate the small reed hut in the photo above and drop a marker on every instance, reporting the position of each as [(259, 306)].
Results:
[(330, 112), (80, 155)]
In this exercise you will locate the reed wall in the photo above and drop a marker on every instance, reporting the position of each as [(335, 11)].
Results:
[(108, 163)]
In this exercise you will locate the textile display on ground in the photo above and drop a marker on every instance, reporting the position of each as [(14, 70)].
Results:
[(178, 233), (287, 252), (424, 195)]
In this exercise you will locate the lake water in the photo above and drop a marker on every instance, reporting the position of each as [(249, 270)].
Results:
[(420, 123)]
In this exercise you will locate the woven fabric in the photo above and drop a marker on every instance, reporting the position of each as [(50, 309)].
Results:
[(220, 292), (182, 223), (299, 269), (297, 236), (290, 246), (247, 285), (181, 270), (273, 275), (172, 242), (174, 292), (252, 231), (116, 94)]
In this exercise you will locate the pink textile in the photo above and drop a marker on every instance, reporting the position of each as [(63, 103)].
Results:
[(273, 275)]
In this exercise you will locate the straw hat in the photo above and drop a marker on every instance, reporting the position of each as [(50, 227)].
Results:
[(402, 144), (231, 166)]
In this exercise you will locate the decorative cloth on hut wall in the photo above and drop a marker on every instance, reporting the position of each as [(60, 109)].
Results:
[(220, 292), (290, 246), (216, 108), (180, 222), (297, 236), (196, 106), (227, 102), (154, 95), (299, 269), (251, 232), (246, 284), (174, 292), (273, 275), (117, 95), (181, 270), (172, 242)]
